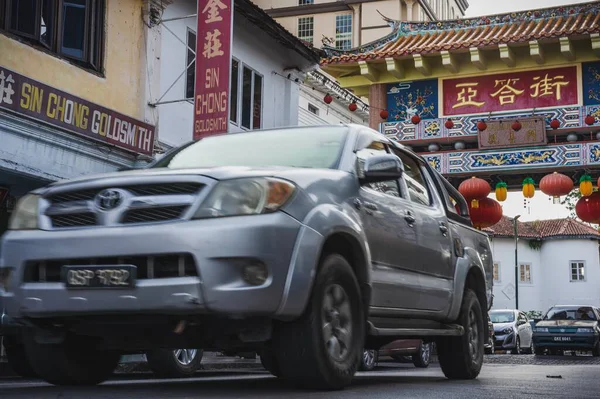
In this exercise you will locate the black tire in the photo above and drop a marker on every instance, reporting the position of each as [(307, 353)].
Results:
[(538, 351), (369, 360), (422, 358), (596, 350), (76, 361), (300, 346), (17, 358), (456, 359), (179, 363), (517, 348), (269, 361)]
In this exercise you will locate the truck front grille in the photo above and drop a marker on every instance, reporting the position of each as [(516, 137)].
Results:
[(148, 267), (153, 214)]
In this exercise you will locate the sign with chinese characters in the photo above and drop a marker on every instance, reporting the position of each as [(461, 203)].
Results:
[(213, 60), (499, 134), (509, 91), (31, 98)]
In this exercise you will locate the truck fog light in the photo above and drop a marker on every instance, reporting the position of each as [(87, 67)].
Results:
[(255, 273)]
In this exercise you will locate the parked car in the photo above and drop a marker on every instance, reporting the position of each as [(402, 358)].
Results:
[(491, 342), (568, 327), (417, 350), (512, 330), (306, 244)]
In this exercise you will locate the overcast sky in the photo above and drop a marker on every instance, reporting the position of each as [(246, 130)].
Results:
[(487, 7)]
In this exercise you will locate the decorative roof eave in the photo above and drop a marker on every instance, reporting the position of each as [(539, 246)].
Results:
[(521, 20), (330, 86)]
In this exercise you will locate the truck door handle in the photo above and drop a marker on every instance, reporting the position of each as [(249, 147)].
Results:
[(443, 228), (357, 203), (409, 218), (371, 206)]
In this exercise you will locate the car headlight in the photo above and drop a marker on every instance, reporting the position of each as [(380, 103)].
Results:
[(248, 196), (507, 330), (25, 214), (585, 330), (541, 329)]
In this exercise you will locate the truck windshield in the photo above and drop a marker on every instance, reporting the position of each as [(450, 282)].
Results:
[(307, 147), (502, 317)]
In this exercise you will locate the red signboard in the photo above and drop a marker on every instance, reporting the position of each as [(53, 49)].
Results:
[(213, 66), (509, 91), (36, 100)]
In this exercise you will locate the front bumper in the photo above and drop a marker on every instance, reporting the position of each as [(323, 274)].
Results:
[(504, 341), (219, 247), (565, 341)]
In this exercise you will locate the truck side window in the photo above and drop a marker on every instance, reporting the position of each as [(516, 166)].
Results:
[(390, 187), (417, 187)]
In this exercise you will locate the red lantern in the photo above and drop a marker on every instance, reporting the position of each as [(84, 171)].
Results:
[(487, 214), (481, 126), (352, 107), (555, 124), (588, 208), (328, 99), (556, 185), (516, 126), (474, 190), (449, 124), (415, 119), (384, 114), (590, 120)]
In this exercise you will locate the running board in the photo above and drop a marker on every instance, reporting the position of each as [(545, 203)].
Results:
[(448, 330)]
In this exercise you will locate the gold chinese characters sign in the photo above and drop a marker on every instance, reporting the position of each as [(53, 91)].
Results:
[(213, 65), (554, 87), (500, 134)]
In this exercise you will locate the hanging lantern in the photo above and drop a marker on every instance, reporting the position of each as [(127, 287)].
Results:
[(352, 107), (384, 114), (585, 185), (328, 99), (449, 124), (555, 124), (528, 188), (481, 126), (556, 185), (590, 120), (415, 119), (474, 190), (501, 191), (488, 213), (588, 208), (516, 126)]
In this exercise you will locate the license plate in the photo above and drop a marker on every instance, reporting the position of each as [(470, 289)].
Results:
[(105, 276), (562, 338)]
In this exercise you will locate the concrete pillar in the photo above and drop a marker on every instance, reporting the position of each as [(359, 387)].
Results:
[(377, 102)]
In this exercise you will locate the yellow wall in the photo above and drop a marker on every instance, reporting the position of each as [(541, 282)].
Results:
[(122, 88)]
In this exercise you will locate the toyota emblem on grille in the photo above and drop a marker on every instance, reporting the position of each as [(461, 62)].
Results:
[(109, 199)]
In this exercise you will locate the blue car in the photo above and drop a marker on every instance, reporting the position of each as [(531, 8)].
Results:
[(568, 328)]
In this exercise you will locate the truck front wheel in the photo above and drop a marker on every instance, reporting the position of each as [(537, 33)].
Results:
[(462, 357), (323, 348), (75, 361)]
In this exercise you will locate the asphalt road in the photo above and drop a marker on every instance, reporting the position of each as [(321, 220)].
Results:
[(389, 381)]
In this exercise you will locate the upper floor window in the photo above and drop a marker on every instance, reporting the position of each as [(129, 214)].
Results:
[(343, 31), (525, 273), (306, 28), (577, 270), (313, 109), (496, 272), (73, 29), (305, 2), (190, 62)]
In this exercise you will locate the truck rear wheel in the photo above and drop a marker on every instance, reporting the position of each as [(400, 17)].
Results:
[(75, 361), (323, 348), (462, 357)]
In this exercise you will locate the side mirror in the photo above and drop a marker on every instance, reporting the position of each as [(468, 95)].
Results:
[(521, 322), (382, 167), (535, 321)]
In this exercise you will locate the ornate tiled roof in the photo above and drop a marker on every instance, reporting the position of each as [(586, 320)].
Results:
[(409, 38), (544, 229)]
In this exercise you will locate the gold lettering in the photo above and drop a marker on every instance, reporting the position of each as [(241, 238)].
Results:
[(213, 8), (50, 110), (212, 44), (506, 92), (548, 86), (467, 96), (25, 96)]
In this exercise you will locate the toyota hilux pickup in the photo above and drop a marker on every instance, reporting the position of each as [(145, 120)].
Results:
[(305, 244)]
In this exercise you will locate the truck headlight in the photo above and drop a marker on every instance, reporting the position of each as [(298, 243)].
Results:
[(541, 329), (248, 196), (585, 330), (25, 214)]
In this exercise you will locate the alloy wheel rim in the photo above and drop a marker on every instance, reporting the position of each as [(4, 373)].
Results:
[(425, 352), (369, 357), (473, 335), (336, 315), (185, 356)]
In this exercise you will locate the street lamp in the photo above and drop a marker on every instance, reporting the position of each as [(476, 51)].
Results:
[(515, 230)]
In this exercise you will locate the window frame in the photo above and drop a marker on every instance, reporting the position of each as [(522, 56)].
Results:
[(346, 36), (496, 266), (240, 92), (236, 122), (312, 29), (94, 37), (577, 263), (422, 171), (191, 65), (530, 282)]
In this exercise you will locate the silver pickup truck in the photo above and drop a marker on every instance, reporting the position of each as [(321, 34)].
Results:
[(303, 244)]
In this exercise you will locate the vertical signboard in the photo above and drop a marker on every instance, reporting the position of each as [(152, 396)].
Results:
[(213, 60)]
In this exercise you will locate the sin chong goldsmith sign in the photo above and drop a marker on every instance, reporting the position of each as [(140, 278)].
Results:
[(39, 101)]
